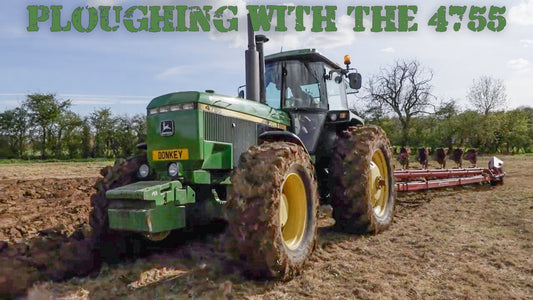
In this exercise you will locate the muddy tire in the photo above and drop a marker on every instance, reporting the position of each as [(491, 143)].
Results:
[(272, 210), (109, 245), (362, 181)]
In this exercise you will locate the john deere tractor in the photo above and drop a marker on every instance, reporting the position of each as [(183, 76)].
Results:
[(263, 164)]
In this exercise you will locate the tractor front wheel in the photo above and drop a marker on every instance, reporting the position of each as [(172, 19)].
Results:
[(362, 181), (272, 210), (110, 245)]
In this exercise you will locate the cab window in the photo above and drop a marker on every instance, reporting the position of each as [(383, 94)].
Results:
[(336, 91), (295, 84)]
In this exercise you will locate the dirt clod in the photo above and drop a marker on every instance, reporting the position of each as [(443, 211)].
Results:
[(43, 243)]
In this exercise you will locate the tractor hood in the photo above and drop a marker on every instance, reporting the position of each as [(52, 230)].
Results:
[(200, 133)]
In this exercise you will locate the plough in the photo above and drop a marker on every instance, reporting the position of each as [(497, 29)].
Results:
[(424, 179)]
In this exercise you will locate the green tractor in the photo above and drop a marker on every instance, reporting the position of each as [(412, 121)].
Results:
[(261, 163)]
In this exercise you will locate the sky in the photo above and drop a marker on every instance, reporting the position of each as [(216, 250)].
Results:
[(124, 70)]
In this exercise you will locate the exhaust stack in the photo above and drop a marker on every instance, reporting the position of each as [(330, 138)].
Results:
[(252, 66), (259, 41)]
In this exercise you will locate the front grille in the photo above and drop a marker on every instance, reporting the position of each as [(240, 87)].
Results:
[(241, 133)]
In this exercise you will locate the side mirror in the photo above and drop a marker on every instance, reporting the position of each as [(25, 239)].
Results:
[(355, 80)]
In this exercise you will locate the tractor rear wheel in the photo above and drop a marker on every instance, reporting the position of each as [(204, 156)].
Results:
[(272, 210), (110, 245), (362, 180)]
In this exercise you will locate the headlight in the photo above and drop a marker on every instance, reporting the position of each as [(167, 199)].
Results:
[(338, 116), (188, 106), (143, 171), (173, 107), (173, 169)]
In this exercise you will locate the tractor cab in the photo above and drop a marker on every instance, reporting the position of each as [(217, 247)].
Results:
[(311, 89)]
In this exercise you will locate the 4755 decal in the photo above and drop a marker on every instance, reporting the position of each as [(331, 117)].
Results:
[(478, 17)]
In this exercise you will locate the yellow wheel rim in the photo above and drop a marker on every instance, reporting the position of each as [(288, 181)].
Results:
[(378, 181), (293, 210)]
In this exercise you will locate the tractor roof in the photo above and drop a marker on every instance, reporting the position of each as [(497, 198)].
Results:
[(302, 54)]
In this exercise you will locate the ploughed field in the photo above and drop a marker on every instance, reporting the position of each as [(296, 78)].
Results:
[(466, 242)]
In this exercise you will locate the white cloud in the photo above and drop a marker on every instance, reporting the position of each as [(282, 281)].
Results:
[(10, 102), (13, 31), (522, 14), (173, 72), (388, 50), (292, 39), (93, 101), (518, 64), (342, 37), (101, 96), (12, 94), (186, 72), (136, 102), (526, 43), (83, 99)]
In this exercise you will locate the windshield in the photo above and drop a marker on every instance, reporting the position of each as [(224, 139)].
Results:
[(295, 84)]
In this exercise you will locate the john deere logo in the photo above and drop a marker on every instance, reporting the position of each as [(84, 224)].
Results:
[(167, 128)]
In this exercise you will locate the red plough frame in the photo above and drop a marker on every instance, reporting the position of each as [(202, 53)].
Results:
[(414, 180)]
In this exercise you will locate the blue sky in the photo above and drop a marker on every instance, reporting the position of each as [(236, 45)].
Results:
[(124, 70)]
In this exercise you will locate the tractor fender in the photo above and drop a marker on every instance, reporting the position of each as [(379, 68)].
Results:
[(276, 136)]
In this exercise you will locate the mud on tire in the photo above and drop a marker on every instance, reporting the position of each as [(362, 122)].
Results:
[(109, 245), (362, 181), (272, 210)]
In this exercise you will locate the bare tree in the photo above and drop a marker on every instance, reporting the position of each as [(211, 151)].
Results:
[(487, 94), (405, 89)]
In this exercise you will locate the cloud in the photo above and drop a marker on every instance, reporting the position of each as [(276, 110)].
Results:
[(135, 102), (174, 72), (292, 39), (12, 94), (188, 71), (344, 35), (10, 100), (10, 103), (526, 43), (518, 64), (388, 50), (93, 101), (11, 31), (522, 14), (82, 99)]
